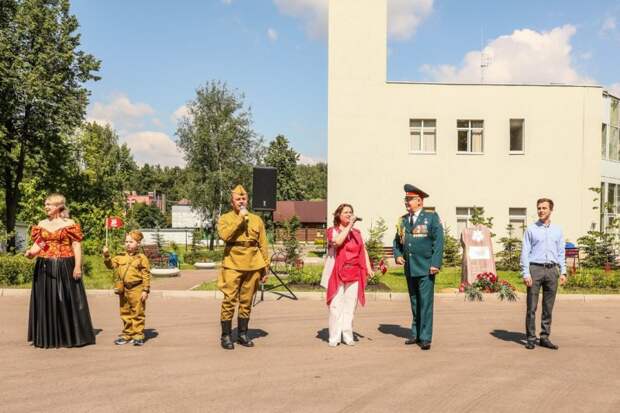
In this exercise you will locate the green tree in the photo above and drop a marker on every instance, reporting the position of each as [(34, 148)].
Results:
[(220, 148), (42, 93), (313, 180), (451, 249), (477, 217), (510, 256), (284, 158), (148, 216), (289, 239), (374, 247)]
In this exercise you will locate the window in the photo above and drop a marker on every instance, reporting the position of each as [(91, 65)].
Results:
[(614, 143), (516, 135), (610, 202), (463, 215), (423, 134), (470, 136), (604, 142), (517, 217)]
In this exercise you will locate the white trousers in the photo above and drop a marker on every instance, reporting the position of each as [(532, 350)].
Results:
[(341, 311)]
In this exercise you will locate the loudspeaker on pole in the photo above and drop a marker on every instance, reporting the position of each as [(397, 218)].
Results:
[(264, 188)]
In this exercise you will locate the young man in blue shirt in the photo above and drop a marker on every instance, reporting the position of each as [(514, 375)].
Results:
[(542, 264)]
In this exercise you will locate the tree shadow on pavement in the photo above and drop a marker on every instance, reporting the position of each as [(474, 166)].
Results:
[(514, 336), (150, 333), (395, 330)]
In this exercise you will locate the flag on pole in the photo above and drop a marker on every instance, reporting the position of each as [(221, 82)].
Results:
[(113, 222)]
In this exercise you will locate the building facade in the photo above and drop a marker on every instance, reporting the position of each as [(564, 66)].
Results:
[(499, 147)]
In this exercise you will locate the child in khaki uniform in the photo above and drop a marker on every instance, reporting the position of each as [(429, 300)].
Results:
[(133, 269)]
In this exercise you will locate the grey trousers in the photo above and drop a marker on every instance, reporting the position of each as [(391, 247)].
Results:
[(547, 279)]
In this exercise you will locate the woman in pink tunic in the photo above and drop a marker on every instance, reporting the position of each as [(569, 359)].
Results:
[(345, 273)]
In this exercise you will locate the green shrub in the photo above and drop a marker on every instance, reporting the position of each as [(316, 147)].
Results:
[(15, 270), (307, 276), (200, 255), (593, 280)]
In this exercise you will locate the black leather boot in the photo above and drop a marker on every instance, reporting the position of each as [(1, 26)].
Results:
[(242, 328), (226, 340)]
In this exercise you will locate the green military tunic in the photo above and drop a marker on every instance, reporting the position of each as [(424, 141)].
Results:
[(245, 258), (421, 246)]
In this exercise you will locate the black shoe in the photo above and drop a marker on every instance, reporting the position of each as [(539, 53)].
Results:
[(120, 341), (544, 342), (425, 345), (410, 341), (242, 332), (138, 342), (226, 339), (529, 345)]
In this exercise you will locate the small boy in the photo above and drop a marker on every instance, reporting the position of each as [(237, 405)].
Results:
[(133, 269)]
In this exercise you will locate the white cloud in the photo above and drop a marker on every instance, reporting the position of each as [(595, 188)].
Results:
[(614, 89), (272, 34), (180, 113), (525, 56), (154, 148), (120, 113), (609, 25), (308, 160), (404, 16)]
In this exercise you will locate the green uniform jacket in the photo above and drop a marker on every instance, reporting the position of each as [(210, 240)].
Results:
[(421, 245)]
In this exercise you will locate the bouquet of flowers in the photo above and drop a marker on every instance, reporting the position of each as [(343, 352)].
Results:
[(488, 282)]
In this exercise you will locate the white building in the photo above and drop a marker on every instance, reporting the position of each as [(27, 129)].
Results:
[(184, 216), (496, 146)]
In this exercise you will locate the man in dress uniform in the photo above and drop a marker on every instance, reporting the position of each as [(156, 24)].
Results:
[(245, 262), (418, 245)]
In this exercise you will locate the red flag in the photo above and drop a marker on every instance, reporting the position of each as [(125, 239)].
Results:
[(113, 222)]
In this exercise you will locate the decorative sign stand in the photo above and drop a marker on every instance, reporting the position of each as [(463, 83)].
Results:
[(477, 253)]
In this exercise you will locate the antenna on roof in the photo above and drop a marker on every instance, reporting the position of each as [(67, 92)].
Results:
[(485, 60)]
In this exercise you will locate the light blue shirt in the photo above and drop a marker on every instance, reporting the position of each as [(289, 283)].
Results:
[(542, 244)]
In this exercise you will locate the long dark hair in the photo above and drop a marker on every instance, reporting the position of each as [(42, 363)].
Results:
[(338, 211)]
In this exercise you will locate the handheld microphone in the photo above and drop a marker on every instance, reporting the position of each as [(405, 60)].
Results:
[(245, 217), (358, 219)]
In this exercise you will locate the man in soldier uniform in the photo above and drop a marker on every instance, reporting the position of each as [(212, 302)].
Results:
[(418, 245), (245, 262)]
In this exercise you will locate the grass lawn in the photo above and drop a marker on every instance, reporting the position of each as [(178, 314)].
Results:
[(448, 280)]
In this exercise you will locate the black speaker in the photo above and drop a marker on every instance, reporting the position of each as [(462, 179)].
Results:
[(264, 188)]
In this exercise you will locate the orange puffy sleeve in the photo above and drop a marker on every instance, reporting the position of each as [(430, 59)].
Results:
[(35, 233), (74, 232)]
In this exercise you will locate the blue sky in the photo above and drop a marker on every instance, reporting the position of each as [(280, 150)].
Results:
[(156, 53)]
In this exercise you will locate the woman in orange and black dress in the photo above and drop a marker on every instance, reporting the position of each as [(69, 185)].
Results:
[(59, 315)]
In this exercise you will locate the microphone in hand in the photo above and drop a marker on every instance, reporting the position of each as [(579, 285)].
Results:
[(358, 219)]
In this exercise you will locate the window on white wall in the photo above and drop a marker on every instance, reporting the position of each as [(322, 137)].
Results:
[(423, 134), (463, 215), (516, 135), (604, 142), (614, 143), (470, 136), (517, 217)]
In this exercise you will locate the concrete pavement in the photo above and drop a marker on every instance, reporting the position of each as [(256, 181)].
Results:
[(476, 364)]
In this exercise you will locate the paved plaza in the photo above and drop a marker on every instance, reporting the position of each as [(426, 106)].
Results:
[(477, 362)]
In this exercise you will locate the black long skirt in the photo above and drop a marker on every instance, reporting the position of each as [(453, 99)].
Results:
[(59, 315)]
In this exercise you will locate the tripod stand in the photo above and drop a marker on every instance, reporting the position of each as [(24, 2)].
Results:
[(277, 267)]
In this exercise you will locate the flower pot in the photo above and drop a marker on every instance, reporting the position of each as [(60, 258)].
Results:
[(204, 265)]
